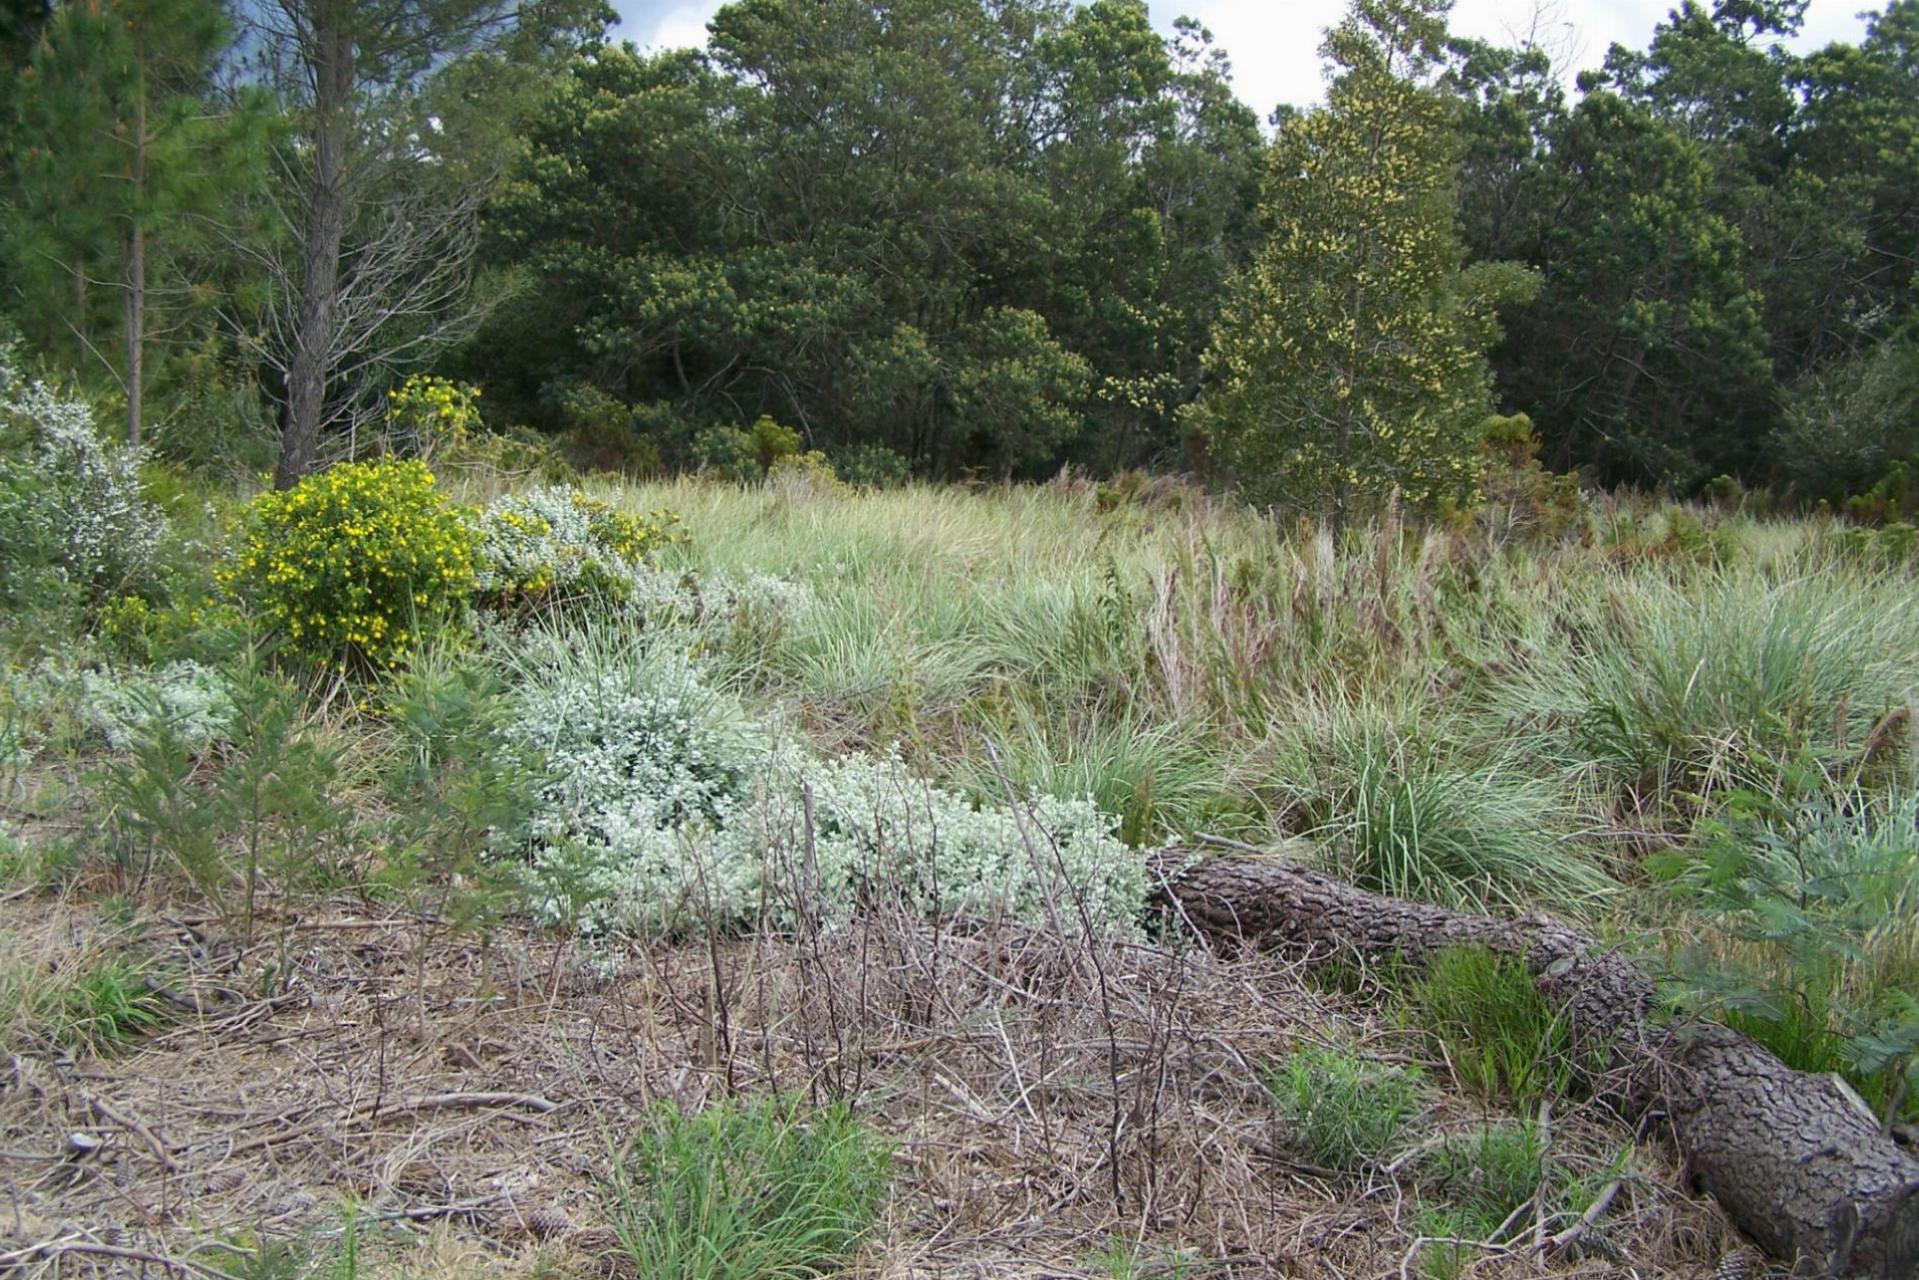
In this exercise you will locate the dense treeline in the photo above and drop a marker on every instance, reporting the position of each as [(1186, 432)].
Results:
[(990, 237)]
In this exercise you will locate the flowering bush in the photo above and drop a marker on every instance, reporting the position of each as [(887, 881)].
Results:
[(657, 804), (187, 700), (427, 416), (351, 561), (71, 511), (557, 544)]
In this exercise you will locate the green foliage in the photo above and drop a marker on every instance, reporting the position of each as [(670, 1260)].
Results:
[(745, 453), (1519, 497), (74, 522), (1494, 1029), (356, 561), (873, 466), (1403, 808), (258, 808), (1029, 277), (93, 1001), (123, 161), (1847, 427), (1349, 358), (555, 548), (1483, 1178), (759, 1190), (1812, 946), (1342, 1111)]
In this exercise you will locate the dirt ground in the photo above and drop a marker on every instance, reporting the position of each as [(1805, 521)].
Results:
[(462, 1090)]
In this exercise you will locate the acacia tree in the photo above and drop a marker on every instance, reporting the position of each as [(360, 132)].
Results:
[(382, 184), (1349, 362)]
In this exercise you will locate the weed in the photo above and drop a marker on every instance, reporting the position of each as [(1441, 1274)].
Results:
[(1496, 1031), (1342, 1111), (746, 1191)]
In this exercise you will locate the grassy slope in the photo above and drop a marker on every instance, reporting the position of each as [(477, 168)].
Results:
[(1427, 711)]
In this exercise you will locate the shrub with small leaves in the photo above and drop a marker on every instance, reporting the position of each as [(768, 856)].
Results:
[(656, 803), (188, 700), (72, 517), (426, 416), (350, 563), (557, 546)]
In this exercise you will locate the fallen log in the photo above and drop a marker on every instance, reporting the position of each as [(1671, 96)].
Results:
[(1797, 1161)]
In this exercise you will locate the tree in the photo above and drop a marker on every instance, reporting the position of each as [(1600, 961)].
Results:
[(380, 198), (1349, 362), (985, 235), (119, 158)]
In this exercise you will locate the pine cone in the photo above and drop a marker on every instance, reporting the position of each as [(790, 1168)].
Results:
[(548, 1221)]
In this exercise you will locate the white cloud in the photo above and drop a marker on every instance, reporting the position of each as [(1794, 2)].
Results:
[(1274, 44)]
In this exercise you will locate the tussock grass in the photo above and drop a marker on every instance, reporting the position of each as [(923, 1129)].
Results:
[(1498, 1035), (746, 1191), (1342, 1111)]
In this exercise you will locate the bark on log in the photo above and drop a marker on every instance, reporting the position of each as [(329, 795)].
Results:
[(1795, 1159)]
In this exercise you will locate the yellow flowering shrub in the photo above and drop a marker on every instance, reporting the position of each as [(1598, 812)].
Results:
[(557, 545), (352, 561), (427, 416)]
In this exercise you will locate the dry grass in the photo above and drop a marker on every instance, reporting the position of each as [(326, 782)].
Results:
[(1044, 1099)]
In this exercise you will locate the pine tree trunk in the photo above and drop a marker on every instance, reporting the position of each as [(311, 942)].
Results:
[(1796, 1160), (311, 365)]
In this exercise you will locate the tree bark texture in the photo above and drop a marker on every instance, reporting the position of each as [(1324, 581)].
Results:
[(1796, 1160), (318, 317)]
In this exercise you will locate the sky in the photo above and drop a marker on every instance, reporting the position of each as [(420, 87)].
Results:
[(1274, 43)]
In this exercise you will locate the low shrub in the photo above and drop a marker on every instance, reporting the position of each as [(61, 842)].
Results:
[(1342, 1111), (873, 466), (557, 546), (353, 562), (428, 417), (746, 1191), (190, 701), (1811, 943), (656, 803), (73, 518)]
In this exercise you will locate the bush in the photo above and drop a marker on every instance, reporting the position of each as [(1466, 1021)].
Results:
[(191, 702), (1812, 944), (427, 416), (656, 803), (874, 466), (1341, 1110), (737, 453), (72, 515), (556, 545), (1848, 425), (746, 1191), (1517, 494), (353, 561)]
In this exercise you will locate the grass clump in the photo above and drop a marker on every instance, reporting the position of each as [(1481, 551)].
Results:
[(1342, 1111), (94, 1001), (759, 1190), (1496, 1031), (1404, 809)]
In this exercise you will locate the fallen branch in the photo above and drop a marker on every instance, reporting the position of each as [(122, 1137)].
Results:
[(1793, 1158)]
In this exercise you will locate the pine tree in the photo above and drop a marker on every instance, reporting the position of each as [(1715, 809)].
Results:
[(115, 150), (1348, 363)]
